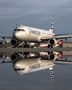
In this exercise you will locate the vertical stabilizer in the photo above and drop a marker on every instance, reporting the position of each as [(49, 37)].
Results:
[(51, 24), (51, 74)]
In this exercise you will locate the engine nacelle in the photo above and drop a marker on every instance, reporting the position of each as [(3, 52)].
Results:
[(39, 39), (14, 42), (53, 41), (53, 57), (14, 57)]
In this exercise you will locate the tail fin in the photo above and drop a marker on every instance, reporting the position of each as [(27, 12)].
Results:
[(51, 74), (51, 24)]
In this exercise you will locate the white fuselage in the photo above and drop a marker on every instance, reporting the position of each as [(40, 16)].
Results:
[(25, 33), (29, 65)]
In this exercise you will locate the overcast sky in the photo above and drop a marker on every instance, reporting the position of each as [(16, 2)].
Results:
[(35, 13)]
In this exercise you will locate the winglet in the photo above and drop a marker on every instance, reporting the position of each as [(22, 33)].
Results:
[(51, 74), (51, 24), (60, 43)]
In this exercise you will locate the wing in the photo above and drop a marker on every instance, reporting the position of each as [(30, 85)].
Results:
[(61, 34), (46, 38), (56, 37), (3, 62), (6, 37), (63, 62), (63, 37)]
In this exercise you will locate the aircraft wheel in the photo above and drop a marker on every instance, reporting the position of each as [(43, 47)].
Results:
[(50, 46), (25, 56), (50, 52), (27, 46), (24, 46)]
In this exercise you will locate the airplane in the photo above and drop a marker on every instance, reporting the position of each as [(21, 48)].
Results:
[(29, 34), (24, 34), (28, 65)]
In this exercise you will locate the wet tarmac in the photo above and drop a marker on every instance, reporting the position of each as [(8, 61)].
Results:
[(34, 49), (40, 80)]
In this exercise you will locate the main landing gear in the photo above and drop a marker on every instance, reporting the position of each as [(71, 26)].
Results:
[(25, 45), (50, 46)]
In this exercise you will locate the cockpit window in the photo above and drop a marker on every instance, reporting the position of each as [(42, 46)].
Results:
[(14, 29), (19, 69), (19, 30)]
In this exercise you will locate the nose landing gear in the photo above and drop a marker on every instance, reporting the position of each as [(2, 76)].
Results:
[(25, 45)]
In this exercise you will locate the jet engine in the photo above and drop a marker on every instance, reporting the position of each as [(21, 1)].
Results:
[(53, 41), (39, 39), (53, 57), (14, 57), (14, 42)]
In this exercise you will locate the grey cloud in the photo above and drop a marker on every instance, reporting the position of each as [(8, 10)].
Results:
[(37, 13), (18, 8)]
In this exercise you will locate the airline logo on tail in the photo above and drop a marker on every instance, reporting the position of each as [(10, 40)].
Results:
[(51, 24)]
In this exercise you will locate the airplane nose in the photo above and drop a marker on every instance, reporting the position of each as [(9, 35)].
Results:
[(16, 35)]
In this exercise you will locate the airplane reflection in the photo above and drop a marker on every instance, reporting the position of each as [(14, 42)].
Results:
[(29, 65), (25, 62)]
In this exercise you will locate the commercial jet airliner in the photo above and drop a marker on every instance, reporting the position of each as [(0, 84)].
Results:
[(30, 34), (24, 66)]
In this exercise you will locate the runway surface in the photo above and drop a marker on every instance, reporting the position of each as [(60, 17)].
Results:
[(34, 49)]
